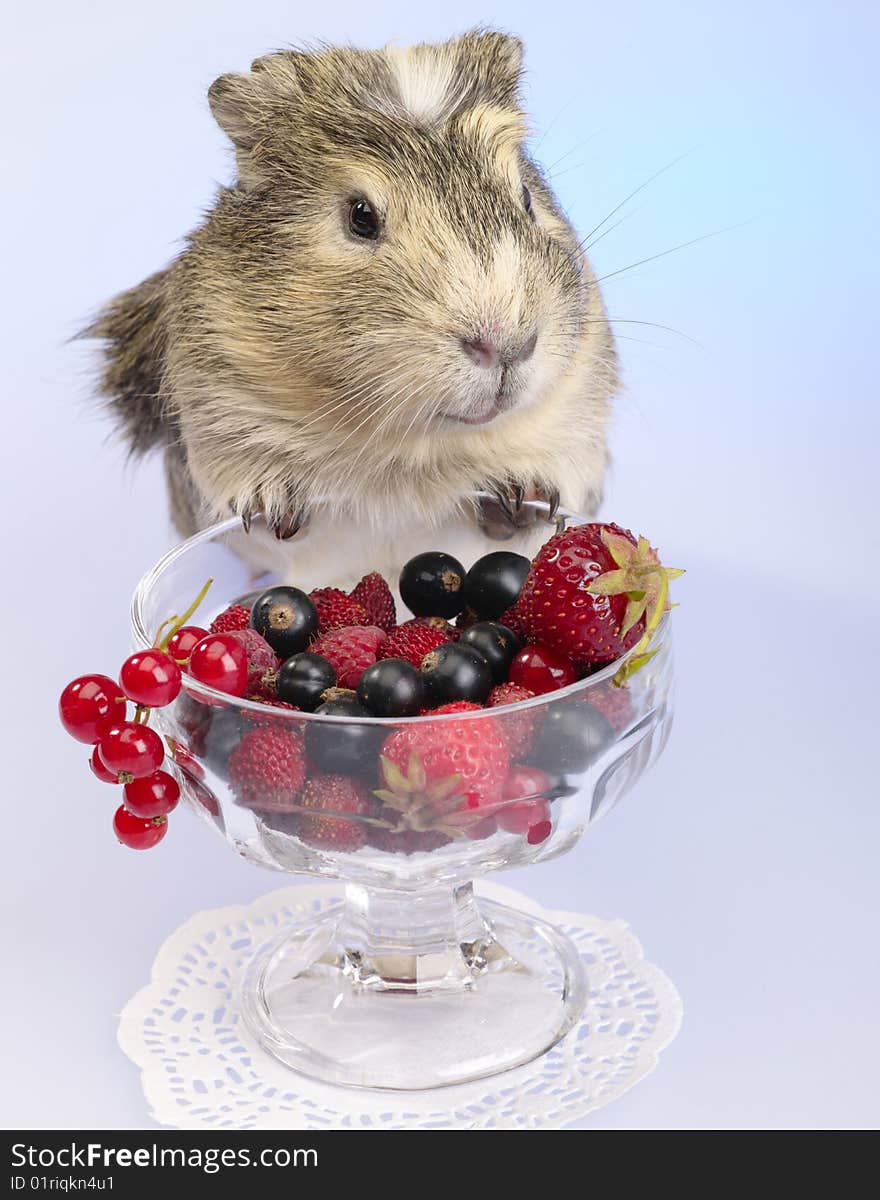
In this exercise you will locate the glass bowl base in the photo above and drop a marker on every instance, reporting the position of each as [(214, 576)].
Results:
[(345, 1010)]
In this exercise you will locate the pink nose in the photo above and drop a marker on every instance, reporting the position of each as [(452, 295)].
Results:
[(489, 354)]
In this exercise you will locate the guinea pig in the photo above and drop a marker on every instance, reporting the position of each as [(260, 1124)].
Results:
[(386, 309)]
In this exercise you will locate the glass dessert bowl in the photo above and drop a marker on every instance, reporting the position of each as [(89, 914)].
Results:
[(411, 981)]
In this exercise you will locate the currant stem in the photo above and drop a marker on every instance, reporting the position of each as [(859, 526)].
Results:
[(174, 623)]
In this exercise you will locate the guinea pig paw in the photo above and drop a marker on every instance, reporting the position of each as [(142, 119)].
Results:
[(506, 510), (285, 525)]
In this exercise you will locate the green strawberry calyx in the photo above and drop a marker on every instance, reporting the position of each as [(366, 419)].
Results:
[(421, 805)]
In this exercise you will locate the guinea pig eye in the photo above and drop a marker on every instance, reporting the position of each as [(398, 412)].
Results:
[(527, 200), (362, 219)]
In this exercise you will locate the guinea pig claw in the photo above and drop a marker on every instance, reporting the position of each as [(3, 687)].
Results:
[(519, 495), (288, 524), (553, 500), (246, 518)]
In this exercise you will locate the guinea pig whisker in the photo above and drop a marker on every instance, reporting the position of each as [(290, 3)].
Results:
[(672, 249), (652, 324), (633, 193)]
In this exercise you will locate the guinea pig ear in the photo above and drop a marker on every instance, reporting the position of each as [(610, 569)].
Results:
[(495, 61), (231, 98)]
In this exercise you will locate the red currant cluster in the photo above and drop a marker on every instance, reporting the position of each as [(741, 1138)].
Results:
[(94, 710)]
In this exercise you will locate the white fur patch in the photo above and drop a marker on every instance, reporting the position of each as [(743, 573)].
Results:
[(424, 81)]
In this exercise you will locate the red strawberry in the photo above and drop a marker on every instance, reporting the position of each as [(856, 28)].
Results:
[(589, 590), (336, 610), (457, 706), (446, 775), (529, 812), (266, 769), (262, 662), (613, 702), (268, 718), (517, 727), (412, 641), (334, 794), (397, 839), (235, 617), (351, 651), (375, 595)]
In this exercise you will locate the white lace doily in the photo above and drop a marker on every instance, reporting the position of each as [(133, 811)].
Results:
[(201, 1069)]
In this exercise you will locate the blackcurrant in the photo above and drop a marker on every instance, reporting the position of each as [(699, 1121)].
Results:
[(221, 737), (432, 585), (392, 687), (286, 618), (571, 737), (494, 582), (303, 678), (344, 747), (495, 642), (455, 672)]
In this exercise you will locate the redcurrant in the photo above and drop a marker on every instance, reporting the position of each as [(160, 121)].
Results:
[(541, 670), (155, 795), (86, 703), (220, 661), (524, 786), (150, 677), (139, 833), (99, 770), (131, 749), (182, 643)]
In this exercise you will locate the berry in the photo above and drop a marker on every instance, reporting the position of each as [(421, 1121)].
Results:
[(302, 679), (542, 670), (262, 662), (267, 716), (514, 618), (412, 641), (336, 610), (155, 795), (343, 747), (350, 651), (613, 702), (138, 833), (494, 581), (456, 672), (397, 839), (495, 642), (99, 770), (375, 595), (286, 618), (150, 677), (188, 765), (182, 643), (333, 794), (457, 706), (441, 774), (131, 749), (432, 585), (571, 737), (267, 768), (517, 727), (392, 688), (592, 592), (87, 703), (220, 738), (525, 788), (220, 661), (237, 616)]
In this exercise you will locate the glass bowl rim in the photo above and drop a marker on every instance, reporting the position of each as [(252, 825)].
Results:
[(217, 698)]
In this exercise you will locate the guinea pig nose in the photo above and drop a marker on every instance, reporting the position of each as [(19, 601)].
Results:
[(483, 353), (526, 350)]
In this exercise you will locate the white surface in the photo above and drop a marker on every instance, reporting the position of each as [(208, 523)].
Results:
[(746, 861)]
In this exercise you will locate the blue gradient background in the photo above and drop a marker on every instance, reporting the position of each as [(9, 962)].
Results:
[(746, 861)]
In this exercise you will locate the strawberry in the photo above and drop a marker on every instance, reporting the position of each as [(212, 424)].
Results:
[(262, 662), (593, 592), (375, 596), (334, 794), (336, 610), (446, 775), (413, 640), (235, 617), (351, 651), (517, 727), (266, 769), (271, 705), (613, 702), (397, 839), (457, 706)]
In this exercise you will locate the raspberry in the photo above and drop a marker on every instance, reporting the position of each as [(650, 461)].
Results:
[(334, 794), (262, 662), (235, 617), (518, 727), (613, 702), (412, 641), (336, 610), (266, 769), (375, 595), (351, 651), (515, 620)]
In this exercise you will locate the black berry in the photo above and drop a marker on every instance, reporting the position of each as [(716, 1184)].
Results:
[(432, 585), (392, 687), (455, 672), (494, 582), (303, 678), (221, 737), (495, 642), (286, 618), (571, 737), (344, 747)]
